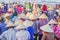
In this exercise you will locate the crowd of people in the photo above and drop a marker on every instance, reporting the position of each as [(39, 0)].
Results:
[(29, 21)]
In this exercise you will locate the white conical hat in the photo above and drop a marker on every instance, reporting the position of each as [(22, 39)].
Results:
[(6, 15), (15, 5), (50, 8), (20, 26), (46, 28), (32, 17), (28, 14), (43, 16), (28, 23), (22, 15), (17, 22), (9, 24), (52, 22)]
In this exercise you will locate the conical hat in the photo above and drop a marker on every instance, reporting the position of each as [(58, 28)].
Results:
[(32, 17), (28, 14), (52, 22), (15, 5), (43, 16), (9, 24), (21, 26), (50, 8), (46, 28), (18, 22), (6, 15), (22, 15), (28, 23)]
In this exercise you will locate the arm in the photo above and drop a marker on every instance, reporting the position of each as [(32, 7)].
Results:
[(43, 37)]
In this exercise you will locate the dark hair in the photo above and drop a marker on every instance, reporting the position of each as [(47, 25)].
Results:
[(1, 20)]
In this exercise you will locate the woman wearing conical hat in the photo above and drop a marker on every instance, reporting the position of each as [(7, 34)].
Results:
[(56, 30), (47, 33), (43, 20), (29, 25), (7, 18), (22, 34), (51, 14), (10, 33), (33, 18)]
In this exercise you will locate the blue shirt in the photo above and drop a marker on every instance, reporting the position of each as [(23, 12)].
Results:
[(31, 31), (2, 27)]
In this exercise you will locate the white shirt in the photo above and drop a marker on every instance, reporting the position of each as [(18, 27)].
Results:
[(22, 35)]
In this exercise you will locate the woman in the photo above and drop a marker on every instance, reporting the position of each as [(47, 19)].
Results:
[(10, 33), (30, 29), (47, 33), (22, 34), (56, 30)]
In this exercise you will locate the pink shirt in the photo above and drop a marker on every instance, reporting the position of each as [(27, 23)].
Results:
[(56, 30), (19, 9)]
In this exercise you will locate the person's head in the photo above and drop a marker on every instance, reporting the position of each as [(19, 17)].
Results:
[(50, 8), (46, 29), (28, 23), (10, 25), (52, 22), (22, 16), (17, 22), (32, 17), (43, 16), (21, 27), (7, 16)]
